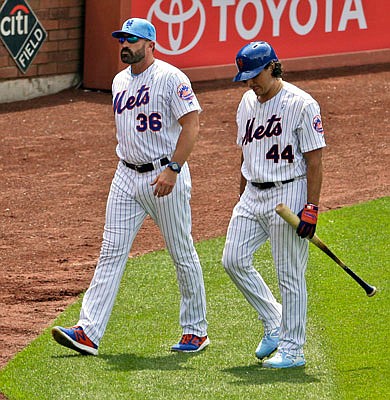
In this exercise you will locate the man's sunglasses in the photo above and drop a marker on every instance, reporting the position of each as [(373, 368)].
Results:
[(129, 39)]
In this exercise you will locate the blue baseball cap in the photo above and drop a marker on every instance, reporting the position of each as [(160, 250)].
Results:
[(138, 27), (252, 59)]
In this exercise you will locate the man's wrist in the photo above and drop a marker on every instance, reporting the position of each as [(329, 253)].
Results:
[(174, 166)]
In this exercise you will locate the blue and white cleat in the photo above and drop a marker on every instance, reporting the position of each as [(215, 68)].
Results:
[(284, 360), (268, 344)]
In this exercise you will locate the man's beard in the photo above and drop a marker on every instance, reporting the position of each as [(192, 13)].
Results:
[(129, 57)]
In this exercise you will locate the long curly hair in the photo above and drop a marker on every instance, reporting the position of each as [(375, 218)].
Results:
[(277, 70)]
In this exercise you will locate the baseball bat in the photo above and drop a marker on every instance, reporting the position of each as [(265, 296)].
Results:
[(292, 219)]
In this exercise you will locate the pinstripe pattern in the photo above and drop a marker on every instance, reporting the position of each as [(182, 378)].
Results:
[(158, 92), (284, 120), (156, 88), (296, 110), (253, 222)]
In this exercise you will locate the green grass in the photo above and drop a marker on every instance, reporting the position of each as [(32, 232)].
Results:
[(346, 350)]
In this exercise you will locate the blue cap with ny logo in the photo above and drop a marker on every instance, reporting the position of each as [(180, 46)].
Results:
[(138, 27)]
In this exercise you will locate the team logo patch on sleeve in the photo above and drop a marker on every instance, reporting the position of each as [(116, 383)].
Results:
[(317, 124), (185, 92)]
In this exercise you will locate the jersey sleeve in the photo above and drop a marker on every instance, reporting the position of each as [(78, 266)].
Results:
[(240, 117), (311, 132), (183, 98)]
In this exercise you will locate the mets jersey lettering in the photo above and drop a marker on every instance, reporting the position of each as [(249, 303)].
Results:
[(141, 98), (262, 131)]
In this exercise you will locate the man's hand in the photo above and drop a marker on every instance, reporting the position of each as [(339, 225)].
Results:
[(164, 183), (308, 221)]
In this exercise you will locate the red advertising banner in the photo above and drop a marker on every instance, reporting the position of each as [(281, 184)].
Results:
[(194, 33)]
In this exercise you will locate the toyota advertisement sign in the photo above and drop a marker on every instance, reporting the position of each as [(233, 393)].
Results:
[(194, 33)]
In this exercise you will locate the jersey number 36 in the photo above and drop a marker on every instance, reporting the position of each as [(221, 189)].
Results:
[(153, 122)]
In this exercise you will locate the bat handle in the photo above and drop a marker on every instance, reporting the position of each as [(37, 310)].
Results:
[(293, 220), (370, 290)]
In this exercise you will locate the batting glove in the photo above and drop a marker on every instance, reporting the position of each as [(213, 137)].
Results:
[(308, 221)]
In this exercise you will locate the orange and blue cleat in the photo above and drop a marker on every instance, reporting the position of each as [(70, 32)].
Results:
[(74, 338), (190, 343)]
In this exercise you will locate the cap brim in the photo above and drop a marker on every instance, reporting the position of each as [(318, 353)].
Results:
[(118, 34), (245, 75)]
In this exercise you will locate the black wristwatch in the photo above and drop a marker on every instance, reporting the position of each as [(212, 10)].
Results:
[(174, 166)]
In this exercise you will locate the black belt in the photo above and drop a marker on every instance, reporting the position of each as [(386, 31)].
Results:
[(268, 185), (145, 167)]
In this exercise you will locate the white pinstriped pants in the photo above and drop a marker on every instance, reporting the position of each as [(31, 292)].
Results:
[(130, 200), (253, 221)]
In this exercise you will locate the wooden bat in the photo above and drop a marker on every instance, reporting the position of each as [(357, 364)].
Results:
[(292, 219)]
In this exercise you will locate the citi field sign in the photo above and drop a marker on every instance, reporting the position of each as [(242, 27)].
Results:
[(193, 33), (21, 32)]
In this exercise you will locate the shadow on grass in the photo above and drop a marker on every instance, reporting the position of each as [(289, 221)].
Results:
[(134, 362), (257, 375)]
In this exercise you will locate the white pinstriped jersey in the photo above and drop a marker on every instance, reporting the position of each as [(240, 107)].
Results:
[(274, 135), (147, 107)]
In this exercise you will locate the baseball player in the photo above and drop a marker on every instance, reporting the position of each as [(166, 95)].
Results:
[(281, 138), (156, 115)]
